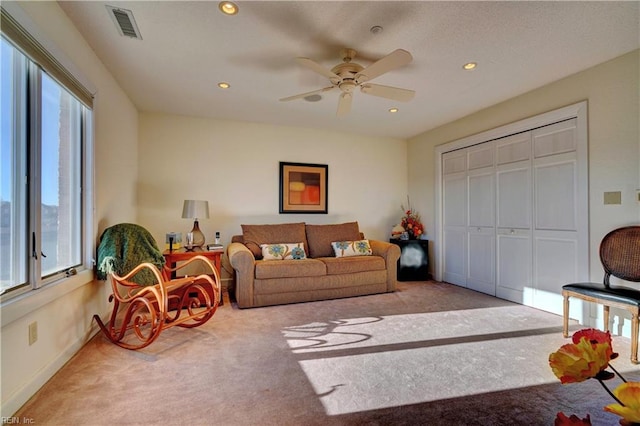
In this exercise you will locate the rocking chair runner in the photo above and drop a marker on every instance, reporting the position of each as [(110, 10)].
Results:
[(145, 300), (620, 257)]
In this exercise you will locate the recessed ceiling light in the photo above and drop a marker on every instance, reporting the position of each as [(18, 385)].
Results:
[(228, 7), (393, 110), (223, 85), (376, 29), (470, 65)]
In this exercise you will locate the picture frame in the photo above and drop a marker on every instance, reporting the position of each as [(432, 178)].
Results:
[(303, 188)]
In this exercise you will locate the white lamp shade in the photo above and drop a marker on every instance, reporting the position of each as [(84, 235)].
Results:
[(194, 209)]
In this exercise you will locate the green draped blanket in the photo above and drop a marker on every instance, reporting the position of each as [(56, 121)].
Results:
[(125, 246)]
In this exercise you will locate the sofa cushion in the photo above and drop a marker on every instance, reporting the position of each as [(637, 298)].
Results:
[(290, 269), (350, 265), (320, 237), (351, 248), (281, 251), (255, 235)]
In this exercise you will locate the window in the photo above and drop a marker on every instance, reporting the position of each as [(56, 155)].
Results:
[(45, 133)]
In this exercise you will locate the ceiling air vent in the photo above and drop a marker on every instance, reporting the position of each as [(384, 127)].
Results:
[(125, 22)]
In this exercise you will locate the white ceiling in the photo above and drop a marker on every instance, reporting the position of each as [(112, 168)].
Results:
[(188, 47)]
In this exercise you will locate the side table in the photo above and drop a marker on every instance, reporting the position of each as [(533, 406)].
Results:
[(413, 264), (181, 255)]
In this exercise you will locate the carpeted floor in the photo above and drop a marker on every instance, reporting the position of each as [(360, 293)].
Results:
[(428, 354)]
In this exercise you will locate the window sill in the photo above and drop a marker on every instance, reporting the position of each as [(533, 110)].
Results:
[(14, 309)]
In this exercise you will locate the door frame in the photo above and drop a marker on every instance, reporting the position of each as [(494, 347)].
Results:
[(577, 111)]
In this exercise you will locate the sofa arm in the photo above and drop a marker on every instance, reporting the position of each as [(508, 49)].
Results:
[(244, 264), (390, 253)]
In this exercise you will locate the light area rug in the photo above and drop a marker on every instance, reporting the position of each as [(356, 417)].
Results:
[(476, 350), (429, 354)]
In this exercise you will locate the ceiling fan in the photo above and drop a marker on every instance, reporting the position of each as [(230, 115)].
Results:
[(348, 75)]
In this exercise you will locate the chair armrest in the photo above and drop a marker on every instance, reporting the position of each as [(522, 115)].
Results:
[(244, 264), (135, 290)]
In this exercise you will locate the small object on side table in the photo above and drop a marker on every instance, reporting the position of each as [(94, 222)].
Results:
[(413, 264), (215, 256)]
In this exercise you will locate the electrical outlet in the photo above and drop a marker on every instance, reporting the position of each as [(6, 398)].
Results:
[(33, 332)]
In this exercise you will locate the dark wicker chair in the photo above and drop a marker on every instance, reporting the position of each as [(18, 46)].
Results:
[(620, 257)]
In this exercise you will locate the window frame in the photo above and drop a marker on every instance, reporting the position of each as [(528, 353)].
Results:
[(74, 275)]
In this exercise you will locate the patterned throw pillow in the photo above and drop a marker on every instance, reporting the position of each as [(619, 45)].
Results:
[(351, 248), (283, 251)]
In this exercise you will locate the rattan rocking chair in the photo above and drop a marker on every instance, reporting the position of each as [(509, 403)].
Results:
[(145, 300), (620, 257)]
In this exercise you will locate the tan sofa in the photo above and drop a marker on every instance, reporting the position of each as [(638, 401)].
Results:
[(320, 275)]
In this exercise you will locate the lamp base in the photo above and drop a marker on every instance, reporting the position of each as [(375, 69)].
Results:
[(198, 236)]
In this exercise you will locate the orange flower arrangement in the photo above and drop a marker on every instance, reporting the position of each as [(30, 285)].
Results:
[(588, 357), (411, 222)]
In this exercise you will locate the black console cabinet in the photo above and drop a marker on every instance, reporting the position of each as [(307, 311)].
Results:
[(413, 264)]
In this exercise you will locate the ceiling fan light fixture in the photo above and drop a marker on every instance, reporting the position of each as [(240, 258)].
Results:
[(228, 7), (224, 85), (348, 76), (470, 65), (313, 98)]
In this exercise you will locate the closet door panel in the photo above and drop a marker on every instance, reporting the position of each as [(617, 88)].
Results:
[(454, 215), (455, 256), (555, 139), (556, 206), (556, 237), (482, 199), (513, 277), (555, 264), (513, 149), (480, 156), (514, 218), (514, 196), (481, 260), (481, 218), (455, 203)]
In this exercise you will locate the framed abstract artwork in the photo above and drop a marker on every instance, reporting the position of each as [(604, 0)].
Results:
[(303, 188)]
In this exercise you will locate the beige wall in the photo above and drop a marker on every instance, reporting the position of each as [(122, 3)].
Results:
[(235, 166), (64, 311), (612, 91)]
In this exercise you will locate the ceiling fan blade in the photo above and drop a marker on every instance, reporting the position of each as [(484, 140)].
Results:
[(394, 93), (344, 104), (314, 66), (304, 95), (393, 60)]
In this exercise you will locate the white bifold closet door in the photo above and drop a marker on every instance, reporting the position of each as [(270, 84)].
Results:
[(511, 223), (481, 218), (455, 218), (514, 200)]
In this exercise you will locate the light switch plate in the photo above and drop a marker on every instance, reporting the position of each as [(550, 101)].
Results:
[(614, 197)]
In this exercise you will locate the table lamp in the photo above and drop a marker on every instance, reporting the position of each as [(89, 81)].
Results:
[(194, 209)]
